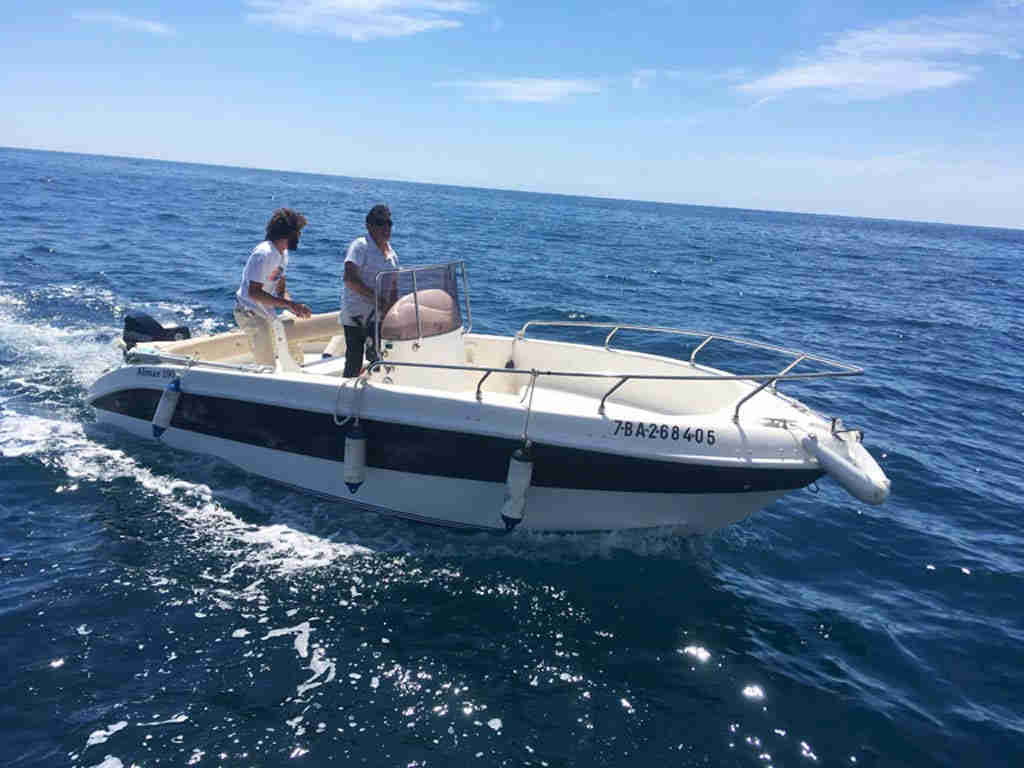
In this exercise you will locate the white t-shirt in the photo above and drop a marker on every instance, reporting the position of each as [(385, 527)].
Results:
[(369, 261), (266, 265)]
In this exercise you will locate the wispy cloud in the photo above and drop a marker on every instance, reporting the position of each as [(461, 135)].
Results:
[(361, 20), (642, 79), (901, 57), (524, 89), (124, 22)]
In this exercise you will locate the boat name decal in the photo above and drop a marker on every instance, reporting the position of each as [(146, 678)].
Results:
[(156, 373), (655, 431)]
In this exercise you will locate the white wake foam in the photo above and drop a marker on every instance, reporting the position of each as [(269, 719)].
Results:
[(65, 445)]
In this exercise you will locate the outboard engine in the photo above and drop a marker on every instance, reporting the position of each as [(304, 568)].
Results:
[(140, 328)]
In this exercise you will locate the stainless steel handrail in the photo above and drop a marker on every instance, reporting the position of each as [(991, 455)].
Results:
[(841, 369), (416, 301), (693, 355), (587, 375), (708, 337), (479, 385), (623, 380), (529, 408), (844, 369), (642, 376), (787, 369), (141, 356), (465, 292)]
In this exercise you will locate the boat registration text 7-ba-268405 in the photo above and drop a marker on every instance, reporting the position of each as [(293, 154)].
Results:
[(654, 431)]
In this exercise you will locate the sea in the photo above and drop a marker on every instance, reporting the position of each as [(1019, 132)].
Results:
[(165, 609)]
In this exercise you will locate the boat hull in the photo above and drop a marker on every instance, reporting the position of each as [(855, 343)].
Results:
[(461, 501)]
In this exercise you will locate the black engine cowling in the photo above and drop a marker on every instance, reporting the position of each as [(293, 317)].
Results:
[(140, 327)]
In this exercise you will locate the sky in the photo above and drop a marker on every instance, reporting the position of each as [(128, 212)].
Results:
[(897, 109)]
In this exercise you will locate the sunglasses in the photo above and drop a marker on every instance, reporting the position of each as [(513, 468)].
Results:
[(382, 222)]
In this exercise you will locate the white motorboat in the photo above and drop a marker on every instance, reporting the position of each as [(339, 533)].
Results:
[(481, 431)]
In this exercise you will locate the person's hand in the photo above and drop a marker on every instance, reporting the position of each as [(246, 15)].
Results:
[(300, 309)]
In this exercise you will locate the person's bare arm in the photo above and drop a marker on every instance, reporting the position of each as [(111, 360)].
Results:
[(353, 281), (257, 294)]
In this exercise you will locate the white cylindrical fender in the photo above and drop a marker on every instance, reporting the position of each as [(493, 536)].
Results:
[(355, 457), (165, 408), (517, 483), (864, 479)]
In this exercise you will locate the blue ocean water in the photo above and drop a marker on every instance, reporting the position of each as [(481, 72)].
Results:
[(158, 608)]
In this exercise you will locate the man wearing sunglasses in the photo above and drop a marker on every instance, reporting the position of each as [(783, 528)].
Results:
[(365, 259)]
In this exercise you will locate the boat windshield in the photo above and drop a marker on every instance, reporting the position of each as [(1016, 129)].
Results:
[(418, 303)]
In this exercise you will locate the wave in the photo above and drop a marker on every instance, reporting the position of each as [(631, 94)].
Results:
[(48, 356), (68, 447)]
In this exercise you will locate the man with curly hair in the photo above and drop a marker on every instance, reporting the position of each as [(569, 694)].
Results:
[(264, 287)]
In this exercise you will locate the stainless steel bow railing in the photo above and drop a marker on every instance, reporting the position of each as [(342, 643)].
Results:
[(766, 379), (842, 369)]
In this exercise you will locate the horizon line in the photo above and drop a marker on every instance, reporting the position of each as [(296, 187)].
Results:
[(519, 190)]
